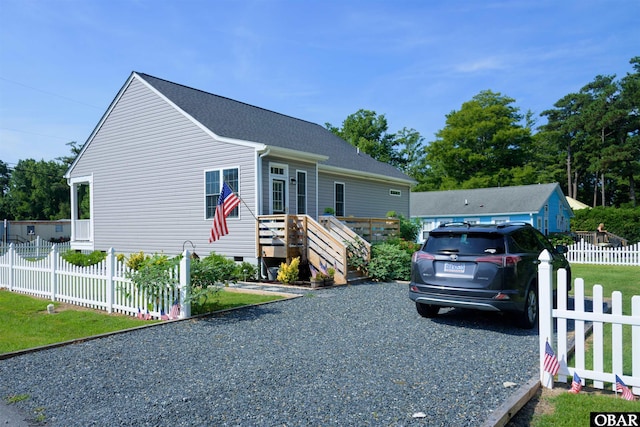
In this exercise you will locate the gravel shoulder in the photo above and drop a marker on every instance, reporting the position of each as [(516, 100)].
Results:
[(353, 355)]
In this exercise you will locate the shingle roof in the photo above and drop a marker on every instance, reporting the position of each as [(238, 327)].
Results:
[(482, 201), (233, 119)]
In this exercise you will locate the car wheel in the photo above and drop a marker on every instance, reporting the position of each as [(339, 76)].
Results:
[(529, 315), (427, 310)]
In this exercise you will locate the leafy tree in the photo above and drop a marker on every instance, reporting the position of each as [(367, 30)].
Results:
[(5, 177), (482, 145), (37, 190), (368, 131), (411, 154), (75, 150)]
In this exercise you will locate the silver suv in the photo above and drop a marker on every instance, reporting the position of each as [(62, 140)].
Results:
[(490, 267)]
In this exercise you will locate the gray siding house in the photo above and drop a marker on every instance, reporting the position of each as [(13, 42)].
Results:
[(155, 162), (544, 206)]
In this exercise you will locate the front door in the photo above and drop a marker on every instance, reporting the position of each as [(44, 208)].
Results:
[(278, 205)]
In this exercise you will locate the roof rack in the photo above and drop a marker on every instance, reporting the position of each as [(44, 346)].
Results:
[(455, 224), (510, 223)]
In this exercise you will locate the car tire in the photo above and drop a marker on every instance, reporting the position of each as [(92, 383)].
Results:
[(529, 314), (427, 310)]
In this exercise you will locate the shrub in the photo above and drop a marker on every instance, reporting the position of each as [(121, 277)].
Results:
[(288, 273), (204, 278), (135, 261), (245, 271), (83, 260), (153, 274), (409, 228), (389, 262), (222, 269)]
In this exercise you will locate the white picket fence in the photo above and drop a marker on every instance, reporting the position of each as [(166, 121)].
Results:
[(586, 253), (580, 317), (38, 248), (103, 286)]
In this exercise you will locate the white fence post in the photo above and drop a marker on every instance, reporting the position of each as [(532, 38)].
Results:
[(545, 319), (110, 285), (54, 274), (185, 281), (12, 254), (635, 338)]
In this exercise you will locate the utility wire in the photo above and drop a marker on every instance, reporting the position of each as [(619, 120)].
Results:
[(49, 93)]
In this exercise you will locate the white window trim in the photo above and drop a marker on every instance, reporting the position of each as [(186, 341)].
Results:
[(344, 197), (204, 190), (395, 193), (306, 190), (285, 177)]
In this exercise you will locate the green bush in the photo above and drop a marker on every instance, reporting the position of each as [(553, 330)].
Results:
[(154, 274), (245, 271), (223, 270), (83, 260), (389, 262), (409, 228), (622, 222)]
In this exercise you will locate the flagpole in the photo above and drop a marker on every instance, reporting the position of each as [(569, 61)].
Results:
[(274, 234)]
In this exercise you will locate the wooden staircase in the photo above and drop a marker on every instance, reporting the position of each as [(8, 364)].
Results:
[(330, 244)]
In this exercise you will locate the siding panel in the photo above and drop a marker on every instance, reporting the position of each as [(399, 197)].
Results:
[(148, 164)]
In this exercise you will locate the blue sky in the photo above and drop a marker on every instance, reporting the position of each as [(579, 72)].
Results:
[(63, 61)]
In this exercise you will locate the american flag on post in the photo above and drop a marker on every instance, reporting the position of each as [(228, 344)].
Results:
[(226, 203), (576, 384), (551, 364), (622, 387)]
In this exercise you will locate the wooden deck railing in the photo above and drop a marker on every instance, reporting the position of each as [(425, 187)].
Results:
[(596, 238), (371, 229)]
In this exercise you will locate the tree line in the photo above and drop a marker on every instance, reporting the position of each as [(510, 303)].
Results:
[(590, 144)]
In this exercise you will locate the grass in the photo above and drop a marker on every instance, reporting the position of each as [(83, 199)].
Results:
[(25, 323), (570, 410), (625, 279)]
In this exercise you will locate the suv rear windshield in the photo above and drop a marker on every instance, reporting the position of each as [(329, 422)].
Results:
[(465, 243)]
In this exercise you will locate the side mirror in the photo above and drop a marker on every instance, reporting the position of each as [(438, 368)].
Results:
[(562, 249)]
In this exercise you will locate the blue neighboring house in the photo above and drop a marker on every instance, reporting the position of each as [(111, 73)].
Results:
[(544, 206)]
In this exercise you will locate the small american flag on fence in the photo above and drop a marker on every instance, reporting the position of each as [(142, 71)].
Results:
[(576, 384), (174, 313), (622, 387), (551, 364)]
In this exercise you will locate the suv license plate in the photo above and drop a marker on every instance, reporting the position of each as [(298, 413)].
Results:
[(457, 268)]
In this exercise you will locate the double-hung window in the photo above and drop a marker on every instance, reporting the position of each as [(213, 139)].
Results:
[(213, 184), (339, 198)]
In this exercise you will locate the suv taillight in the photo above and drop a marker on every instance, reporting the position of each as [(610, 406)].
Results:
[(421, 255), (501, 260)]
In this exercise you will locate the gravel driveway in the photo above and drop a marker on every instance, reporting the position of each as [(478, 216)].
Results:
[(347, 356)]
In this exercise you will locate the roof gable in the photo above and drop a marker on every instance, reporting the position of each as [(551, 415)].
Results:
[(484, 201), (234, 119)]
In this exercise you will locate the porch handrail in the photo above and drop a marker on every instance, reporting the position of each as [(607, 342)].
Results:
[(358, 245)]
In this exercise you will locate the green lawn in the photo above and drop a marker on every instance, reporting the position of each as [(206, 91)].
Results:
[(573, 410), (625, 279), (25, 323)]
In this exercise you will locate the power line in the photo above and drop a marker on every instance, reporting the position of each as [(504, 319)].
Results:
[(33, 133), (49, 93)]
